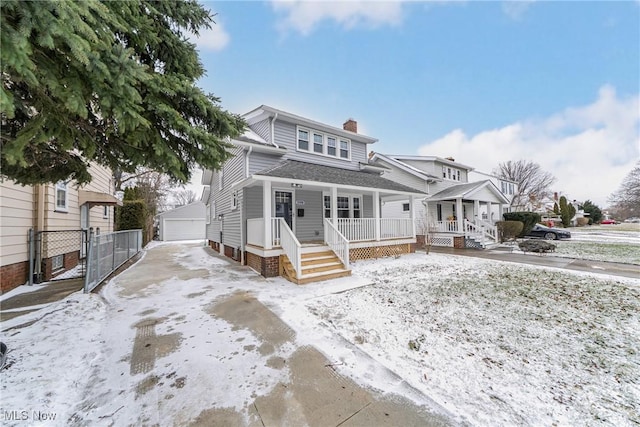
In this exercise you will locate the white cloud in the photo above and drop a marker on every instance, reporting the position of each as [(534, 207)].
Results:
[(213, 39), (304, 16), (589, 149), (515, 9)]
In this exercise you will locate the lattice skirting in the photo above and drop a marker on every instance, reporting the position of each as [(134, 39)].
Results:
[(356, 254), (446, 241)]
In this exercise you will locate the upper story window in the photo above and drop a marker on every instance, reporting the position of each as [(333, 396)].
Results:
[(507, 187), (303, 140), (450, 173), (322, 144), (61, 197)]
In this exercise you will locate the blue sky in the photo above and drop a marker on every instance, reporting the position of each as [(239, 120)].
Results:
[(552, 82)]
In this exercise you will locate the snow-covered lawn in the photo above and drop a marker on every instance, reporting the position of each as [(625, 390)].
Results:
[(498, 343)]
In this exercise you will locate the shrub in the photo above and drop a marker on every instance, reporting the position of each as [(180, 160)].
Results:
[(528, 219), (509, 230), (132, 215), (567, 211)]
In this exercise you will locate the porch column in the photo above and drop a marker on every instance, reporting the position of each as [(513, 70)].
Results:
[(413, 216), (376, 214), (477, 216), (500, 211), (459, 215), (334, 206), (266, 214)]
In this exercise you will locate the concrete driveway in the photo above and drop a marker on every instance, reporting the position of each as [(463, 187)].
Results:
[(196, 340)]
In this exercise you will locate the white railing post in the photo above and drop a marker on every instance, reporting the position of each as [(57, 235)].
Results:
[(376, 216), (266, 214)]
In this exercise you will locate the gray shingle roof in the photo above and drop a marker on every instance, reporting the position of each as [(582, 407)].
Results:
[(293, 169)]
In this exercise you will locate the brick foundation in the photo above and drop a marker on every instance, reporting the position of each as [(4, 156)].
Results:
[(232, 253), (458, 242), (13, 275), (214, 245), (267, 267)]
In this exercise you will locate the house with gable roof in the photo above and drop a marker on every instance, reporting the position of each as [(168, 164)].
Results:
[(299, 198), (456, 211)]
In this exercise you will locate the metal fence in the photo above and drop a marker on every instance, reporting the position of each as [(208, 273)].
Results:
[(52, 252), (107, 252)]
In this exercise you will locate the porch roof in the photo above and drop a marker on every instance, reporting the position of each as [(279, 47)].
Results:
[(302, 171), (466, 191)]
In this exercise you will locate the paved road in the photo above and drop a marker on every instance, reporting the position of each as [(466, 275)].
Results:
[(598, 267)]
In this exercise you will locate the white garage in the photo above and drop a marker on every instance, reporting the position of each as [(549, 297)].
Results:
[(184, 223)]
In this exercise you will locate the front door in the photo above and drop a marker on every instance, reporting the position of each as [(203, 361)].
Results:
[(284, 206)]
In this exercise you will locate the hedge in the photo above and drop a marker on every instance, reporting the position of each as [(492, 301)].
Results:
[(528, 219)]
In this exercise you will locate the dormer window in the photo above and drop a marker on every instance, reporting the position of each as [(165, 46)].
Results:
[(322, 144), (452, 174)]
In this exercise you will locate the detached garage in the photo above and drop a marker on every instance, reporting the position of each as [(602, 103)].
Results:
[(184, 223)]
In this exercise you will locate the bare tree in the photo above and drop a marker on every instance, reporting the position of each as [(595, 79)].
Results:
[(184, 197), (533, 182), (626, 200)]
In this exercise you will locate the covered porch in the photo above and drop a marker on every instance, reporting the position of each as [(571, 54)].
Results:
[(469, 211), (340, 217)]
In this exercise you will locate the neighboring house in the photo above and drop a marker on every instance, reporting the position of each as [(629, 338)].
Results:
[(300, 199), (454, 212), (57, 214), (186, 222), (507, 187)]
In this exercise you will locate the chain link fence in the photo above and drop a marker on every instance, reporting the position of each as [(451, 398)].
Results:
[(107, 252), (56, 255)]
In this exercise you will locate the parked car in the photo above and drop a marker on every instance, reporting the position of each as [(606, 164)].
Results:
[(549, 233), (632, 220), (608, 221)]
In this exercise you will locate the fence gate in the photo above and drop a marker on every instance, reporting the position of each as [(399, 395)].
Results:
[(57, 255)]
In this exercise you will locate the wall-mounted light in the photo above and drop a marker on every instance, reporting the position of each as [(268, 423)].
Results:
[(294, 185), (220, 217)]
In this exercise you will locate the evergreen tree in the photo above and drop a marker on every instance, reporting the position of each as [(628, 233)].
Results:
[(567, 211), (595, 214), (112, 82)]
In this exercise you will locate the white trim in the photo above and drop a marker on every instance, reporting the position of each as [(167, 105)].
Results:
[(405, 167), (293, 204), (401, 157), (61, 186), (259, 147), (350, 197)]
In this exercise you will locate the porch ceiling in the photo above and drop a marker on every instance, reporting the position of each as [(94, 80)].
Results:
[(302, 172)]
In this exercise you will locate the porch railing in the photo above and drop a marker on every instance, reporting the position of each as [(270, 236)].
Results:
[(337, 242), (480, 231), (290, 245), (363, 229), (255, 232), (447, 226)]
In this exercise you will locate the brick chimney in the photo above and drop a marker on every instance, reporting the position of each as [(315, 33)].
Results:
[(450, 159), (350, 125)]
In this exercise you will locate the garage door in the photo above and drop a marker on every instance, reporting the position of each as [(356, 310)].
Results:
[(183, 229)]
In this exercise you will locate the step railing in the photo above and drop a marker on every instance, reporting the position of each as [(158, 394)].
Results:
[(337, 242), (290, 245)]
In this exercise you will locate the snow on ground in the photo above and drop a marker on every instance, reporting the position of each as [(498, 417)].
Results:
[(495, 343), (500, 344)]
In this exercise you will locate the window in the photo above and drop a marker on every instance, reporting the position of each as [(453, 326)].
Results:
[(234, 200), (449, 173), (348, 206), (208, 214), (444, 171), (331, 146), (327, 206), (105, 212), (510, 188), (322, 144), (503, 187), (343, 207), (61, 196), (57, 262), (457, 175), (344, 149), (405, 207), (439, 211), (318, 143), (303, 139)]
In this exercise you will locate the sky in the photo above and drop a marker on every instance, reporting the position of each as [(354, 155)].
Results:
[(556, 83)]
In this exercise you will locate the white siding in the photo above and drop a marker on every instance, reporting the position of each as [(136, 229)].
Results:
[(396, 174), (261, 161), (232, 172)]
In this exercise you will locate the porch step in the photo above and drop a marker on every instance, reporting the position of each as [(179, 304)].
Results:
[(316, 266)]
